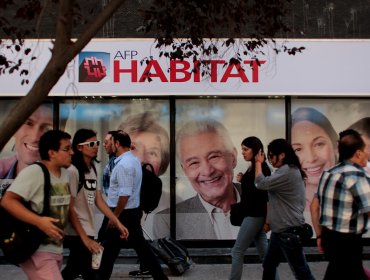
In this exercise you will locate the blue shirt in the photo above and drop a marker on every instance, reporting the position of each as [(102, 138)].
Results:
[(125, 181), (344, 195)]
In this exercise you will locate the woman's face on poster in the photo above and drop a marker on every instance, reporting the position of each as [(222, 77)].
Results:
[(314, 149), (247, 153), (147, 147)]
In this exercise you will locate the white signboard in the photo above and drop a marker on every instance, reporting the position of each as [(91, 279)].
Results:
[(115, 68)]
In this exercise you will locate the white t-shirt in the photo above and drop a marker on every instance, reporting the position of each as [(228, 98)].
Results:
[(29, 184), (84, 200)]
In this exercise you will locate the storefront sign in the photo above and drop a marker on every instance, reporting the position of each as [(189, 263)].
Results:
[(124, 67)]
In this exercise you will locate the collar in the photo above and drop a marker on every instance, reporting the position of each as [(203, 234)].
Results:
[(211, 209)]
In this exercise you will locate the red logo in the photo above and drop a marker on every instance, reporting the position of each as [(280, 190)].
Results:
[(92, 69)]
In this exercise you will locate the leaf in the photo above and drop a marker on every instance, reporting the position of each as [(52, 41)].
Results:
[(23, 72)]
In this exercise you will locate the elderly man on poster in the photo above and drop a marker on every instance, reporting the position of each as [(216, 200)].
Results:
[(208, 158)]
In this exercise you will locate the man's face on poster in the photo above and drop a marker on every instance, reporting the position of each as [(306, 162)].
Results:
[(208, 164), (28, 135)]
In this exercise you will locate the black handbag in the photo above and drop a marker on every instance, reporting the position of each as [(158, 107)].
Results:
[(236, 214), (304, 232), (307, 232), (19, 240)]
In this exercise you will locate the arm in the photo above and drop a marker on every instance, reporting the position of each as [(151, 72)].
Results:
[(266, 226), (90, 244), (12, 203), (113, 217), (315, 216), (259, 158)]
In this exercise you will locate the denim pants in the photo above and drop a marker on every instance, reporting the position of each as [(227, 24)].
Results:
[(79, 260), (112, 244), (286, 245), (250, 230)]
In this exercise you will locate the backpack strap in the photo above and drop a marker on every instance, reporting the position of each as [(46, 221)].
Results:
[(47, 187), (151, 168)]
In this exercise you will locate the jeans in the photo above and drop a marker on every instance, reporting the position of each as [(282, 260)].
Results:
[(79, 260), (286, 245), (250, 229), (344, 253), (112, 244)]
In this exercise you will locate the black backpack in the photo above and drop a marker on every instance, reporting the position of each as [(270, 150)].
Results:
[(151, 189), (18, 239)]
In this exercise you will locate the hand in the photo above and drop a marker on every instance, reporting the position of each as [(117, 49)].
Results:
[(239, 177), (266, 228), (123, 230), (92, 245), (319, 247), (49, 227), (260, 157)]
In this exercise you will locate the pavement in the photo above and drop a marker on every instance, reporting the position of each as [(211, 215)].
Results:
[(196, 272)]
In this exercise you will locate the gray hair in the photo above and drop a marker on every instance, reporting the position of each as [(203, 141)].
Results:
[(193, 128)]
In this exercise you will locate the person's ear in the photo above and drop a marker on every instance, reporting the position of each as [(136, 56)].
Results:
[(281, 157), (51, 153), (359, 154)]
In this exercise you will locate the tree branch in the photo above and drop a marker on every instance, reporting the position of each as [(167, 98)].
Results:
[(64, 51)]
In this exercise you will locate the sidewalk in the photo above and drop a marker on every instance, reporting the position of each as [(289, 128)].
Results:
[(197, 272)]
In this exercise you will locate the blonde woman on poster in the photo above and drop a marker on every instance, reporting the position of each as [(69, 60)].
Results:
[(150, 141)]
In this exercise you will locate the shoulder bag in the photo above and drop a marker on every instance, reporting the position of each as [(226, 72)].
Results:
[(19, 240), (236, 214)]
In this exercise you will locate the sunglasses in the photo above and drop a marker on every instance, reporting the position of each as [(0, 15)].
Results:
[(91, 143)]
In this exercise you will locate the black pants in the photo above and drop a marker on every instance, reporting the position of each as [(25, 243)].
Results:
[(112, 244), (79, 260), (344, 253)]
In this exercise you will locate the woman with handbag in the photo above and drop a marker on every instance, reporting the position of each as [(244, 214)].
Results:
[(253, 208), (287, 200)]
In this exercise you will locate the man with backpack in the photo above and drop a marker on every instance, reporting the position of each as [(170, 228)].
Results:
[(124, 199), (56, 152)]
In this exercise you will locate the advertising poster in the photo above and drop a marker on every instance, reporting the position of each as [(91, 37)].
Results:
[(315, 128), (207, 164), (146, 121), (22, 149)]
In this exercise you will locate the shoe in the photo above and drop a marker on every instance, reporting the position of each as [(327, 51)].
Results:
[(140, 273)]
